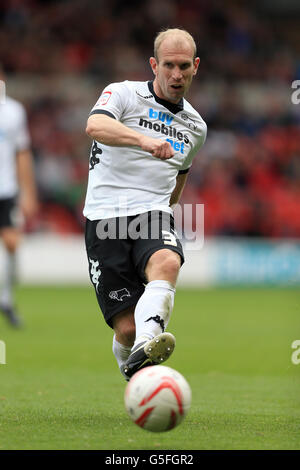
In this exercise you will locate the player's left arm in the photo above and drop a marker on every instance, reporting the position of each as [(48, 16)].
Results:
[(28, 193), (183, 174), (177, 192)]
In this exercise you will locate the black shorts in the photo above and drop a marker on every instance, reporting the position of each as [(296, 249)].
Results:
[(118, 250), (8, 208)]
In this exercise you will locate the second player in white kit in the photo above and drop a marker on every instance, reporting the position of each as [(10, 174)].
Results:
[(17, 191)]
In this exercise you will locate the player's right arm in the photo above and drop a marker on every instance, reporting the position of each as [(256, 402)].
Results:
[(109, 131)]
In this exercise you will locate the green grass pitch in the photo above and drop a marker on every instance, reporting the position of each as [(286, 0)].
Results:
[(61, 388)]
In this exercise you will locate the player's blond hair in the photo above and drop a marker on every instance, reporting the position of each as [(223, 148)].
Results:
[(178, 34)]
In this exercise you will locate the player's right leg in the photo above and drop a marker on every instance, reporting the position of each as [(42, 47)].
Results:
[(124, 328)]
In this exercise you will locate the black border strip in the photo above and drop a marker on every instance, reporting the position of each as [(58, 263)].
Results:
[(101, 111), (182, 172)]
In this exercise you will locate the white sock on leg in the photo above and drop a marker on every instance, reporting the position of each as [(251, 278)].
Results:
[(153, 310), (6, 297), (120, 351)]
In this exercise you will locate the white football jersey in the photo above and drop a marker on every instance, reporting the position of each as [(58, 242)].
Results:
[(125, 181), (14, 136)]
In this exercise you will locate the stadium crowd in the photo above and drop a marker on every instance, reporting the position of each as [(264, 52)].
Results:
[(59, 55)]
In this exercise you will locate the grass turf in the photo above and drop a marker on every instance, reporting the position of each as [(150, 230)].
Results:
[(61, 388)]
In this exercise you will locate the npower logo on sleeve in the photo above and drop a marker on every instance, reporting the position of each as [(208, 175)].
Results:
[(103, 100)]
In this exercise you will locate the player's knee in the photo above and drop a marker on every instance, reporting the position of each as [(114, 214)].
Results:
[(171, 266), (11, 240), (12, 246), (163, 263)]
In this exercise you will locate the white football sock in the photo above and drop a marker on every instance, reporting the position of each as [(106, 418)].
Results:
[(153, 310), (8, 280), (120, 351)]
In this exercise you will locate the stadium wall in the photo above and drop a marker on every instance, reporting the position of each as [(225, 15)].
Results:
[(52, 259)]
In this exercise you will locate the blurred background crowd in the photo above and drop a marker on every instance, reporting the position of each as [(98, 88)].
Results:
[(60, 54)]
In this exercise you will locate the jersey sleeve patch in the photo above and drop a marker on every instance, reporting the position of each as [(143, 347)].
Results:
[(104, 98)]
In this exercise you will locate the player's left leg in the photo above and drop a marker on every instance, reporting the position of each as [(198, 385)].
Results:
[(158, 261), (11, 238)]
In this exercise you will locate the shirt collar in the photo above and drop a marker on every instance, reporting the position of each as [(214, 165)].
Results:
[(173, 107)]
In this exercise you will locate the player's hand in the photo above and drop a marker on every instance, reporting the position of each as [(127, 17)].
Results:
[(158, 148), (29, 206)]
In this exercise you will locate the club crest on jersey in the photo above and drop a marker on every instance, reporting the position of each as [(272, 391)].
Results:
[(191, 123), (119, 294)]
